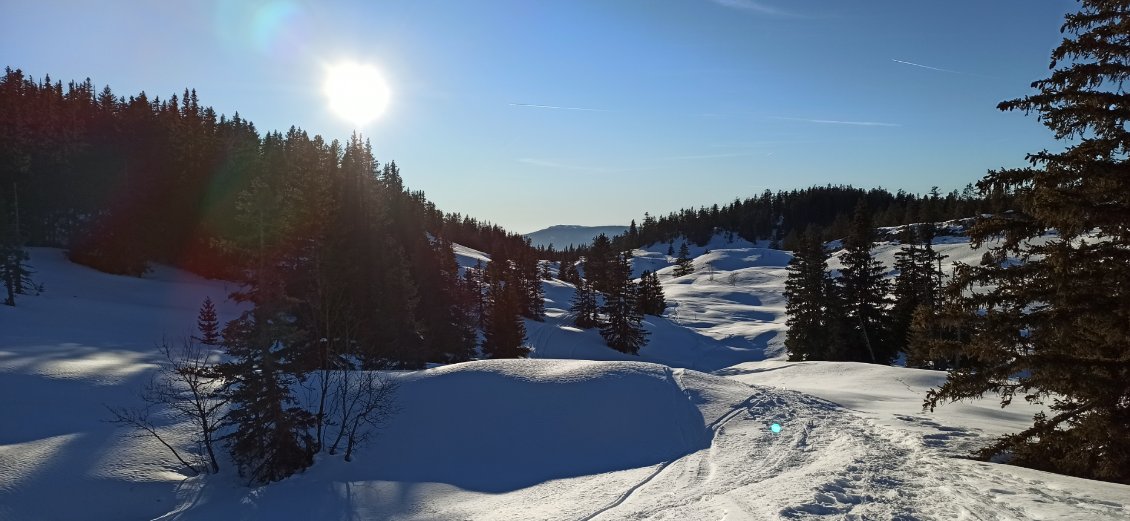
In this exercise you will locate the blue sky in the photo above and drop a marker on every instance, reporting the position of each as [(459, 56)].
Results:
[(530, 113)]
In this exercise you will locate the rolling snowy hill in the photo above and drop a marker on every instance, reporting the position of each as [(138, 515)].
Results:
[(683, 431), (563, 235)]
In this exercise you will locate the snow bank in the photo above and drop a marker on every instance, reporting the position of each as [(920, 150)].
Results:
[(506, 424)]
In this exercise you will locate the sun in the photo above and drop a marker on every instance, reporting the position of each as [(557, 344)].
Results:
[(357, 92)]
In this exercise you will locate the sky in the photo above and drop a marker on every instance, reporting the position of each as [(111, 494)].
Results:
[(530, 113)]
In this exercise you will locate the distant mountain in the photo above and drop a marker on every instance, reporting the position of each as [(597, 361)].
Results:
[(563, 235)]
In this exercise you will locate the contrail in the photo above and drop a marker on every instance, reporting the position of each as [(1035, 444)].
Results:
[(750, 5), (554, 107), (840, 122), (926, 67)]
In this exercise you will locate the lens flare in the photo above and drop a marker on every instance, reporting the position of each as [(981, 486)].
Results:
[(776, 428)]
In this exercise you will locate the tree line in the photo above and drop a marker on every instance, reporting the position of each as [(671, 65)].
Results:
[(343, 267)]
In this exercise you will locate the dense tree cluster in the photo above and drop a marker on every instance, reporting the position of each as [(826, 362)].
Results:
[(344, 267), (856, 316), (1055, 328), (609, 298), (781, 217)]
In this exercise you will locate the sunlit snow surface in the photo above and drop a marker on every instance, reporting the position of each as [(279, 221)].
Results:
[(688, 436)]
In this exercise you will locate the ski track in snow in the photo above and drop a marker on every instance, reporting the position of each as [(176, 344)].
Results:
[(830, 463)]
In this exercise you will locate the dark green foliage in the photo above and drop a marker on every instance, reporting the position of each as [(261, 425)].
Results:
[(809, 294), (918, 285), (684, 265), (651, 298), (528, 277), (1055, 328), (444, 309), (586, 312), (780, 217), (207, 325), (567, 271), (599, 263), (623, 325), (863, 291), (505, 331), (475, 286), (341, 262), (269, 435), (14, 272)]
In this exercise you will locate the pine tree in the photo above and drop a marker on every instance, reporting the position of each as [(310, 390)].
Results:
[(651, 298), (505, 331), (567, 272), (584, 306), (14, 272), (476, 289), (683, 264), (808, 301), (918, 283), (207, 324), (1055, 328), (599, 261), (623, 328), (864, 292)]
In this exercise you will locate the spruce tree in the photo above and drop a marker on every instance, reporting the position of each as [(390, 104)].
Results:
[(808, 301), (1055, 328), (584, 306), (918, 283), (864, 292), (269, 436), (652, 300), (14, 272), (599, 262), (207, 324), (623, 327), (683, 264), (505, 331)]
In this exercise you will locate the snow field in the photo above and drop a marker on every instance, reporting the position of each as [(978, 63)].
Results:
[(579, 432)]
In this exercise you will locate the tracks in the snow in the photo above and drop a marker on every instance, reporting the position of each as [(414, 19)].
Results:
[(715, 428)]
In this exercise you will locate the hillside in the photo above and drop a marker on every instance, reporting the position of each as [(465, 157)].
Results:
[(686, 436), (564, 235)]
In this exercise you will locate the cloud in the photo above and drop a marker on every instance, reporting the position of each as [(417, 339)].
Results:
[(555, 107), (841, 122), (751, 5), (939, 69)]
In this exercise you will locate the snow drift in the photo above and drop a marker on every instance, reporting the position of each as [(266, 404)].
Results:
[(501, 425)]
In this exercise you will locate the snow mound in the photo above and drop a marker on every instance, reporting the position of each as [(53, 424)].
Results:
[(501, 425)]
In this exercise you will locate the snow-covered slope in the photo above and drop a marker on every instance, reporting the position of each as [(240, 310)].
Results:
[(549, 438), (88, 341)]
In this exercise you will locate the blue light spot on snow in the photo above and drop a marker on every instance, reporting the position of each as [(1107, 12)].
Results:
[(776, 428)]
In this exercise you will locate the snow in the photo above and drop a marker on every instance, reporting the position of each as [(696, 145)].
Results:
[(580, 431)]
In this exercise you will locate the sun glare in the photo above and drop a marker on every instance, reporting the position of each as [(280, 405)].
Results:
[(357, 93)]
